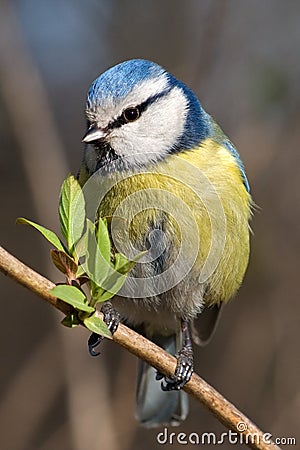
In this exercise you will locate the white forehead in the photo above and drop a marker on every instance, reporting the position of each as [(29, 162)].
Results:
[(111, 107)]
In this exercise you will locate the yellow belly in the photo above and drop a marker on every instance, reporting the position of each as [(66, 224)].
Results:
[(199, 201)]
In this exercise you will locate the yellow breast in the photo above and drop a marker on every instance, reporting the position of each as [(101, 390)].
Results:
[(198, 200)]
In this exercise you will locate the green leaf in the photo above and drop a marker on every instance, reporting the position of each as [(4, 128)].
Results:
[(80, 271), (71, 320), (48, 234), (124, 265), (96, 265), (120, 261), (73, 296), (64, 263), (103, 239), (112, 286), (106, 295), (71, 211), (116, 278), (96, 325), (80, 247)]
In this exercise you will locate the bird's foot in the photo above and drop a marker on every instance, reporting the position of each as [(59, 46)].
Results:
[(183, 372), (185, 363), (112, 319)]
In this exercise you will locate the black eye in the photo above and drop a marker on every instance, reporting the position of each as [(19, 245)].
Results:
[(131, 114)]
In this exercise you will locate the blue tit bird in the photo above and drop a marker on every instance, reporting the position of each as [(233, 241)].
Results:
[(180, 184)]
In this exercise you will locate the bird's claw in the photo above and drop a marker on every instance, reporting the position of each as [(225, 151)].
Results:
[(183, 372), (93, 342), (112, 319), (110, 316), (159, 376)]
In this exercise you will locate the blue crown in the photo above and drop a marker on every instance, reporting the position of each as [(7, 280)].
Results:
[(119, 80)]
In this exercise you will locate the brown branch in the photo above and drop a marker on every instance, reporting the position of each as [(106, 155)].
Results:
[(136, 344)]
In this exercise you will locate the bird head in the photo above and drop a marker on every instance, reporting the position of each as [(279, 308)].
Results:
[(139, 112)]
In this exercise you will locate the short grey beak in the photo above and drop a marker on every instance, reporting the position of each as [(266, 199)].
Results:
[(94, 134)]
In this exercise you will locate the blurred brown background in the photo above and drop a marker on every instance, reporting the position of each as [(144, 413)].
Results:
[(242, 59)]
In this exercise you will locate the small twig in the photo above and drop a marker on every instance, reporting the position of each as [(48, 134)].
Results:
[(225, 412), (30, 279)]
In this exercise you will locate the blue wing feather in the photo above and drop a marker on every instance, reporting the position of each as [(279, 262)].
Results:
[(226, 143)]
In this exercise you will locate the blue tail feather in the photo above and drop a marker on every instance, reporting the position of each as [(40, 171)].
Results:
[(154, 406)]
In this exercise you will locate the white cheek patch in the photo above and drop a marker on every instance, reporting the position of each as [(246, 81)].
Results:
[(157, 130)]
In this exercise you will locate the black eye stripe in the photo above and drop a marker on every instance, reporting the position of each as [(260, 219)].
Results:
[(119, 121), (153, 99)]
